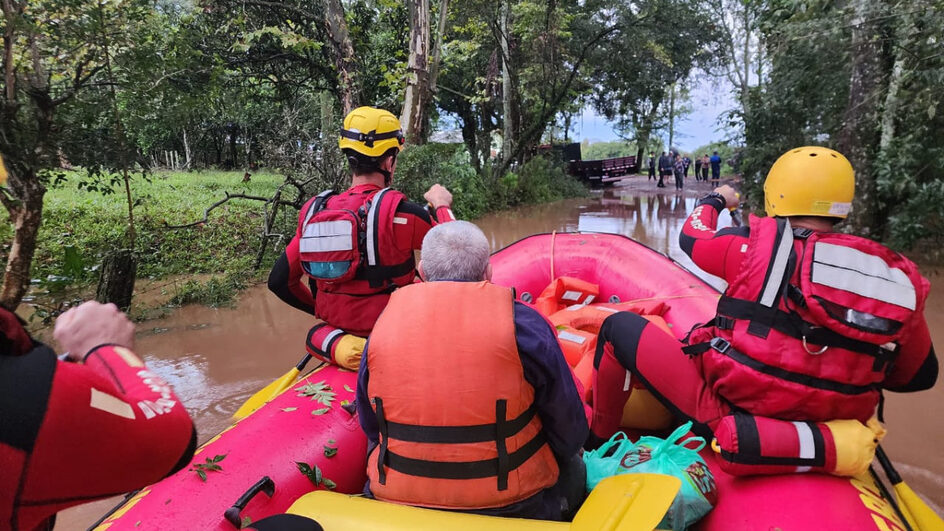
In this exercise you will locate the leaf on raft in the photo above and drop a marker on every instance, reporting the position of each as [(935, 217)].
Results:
[(330, 451), (348, 388), (246, 521), (289, 409), (328, 484), (321, 411)]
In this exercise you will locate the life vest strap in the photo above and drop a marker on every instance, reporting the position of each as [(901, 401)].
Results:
[(723, 346), (459, 434), (792, 325), (463, 469)]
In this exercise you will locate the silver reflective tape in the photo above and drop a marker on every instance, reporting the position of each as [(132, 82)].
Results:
[(628, 380), (400, 221), (571, 296), (589, 299), (327, 341), (868, 275), (371, 237), (325, 236), (807, 446), (779, 267), (570, 336)]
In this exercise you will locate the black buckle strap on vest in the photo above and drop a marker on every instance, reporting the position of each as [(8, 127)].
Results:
[(750, 451), (497, 432), (802, 234), (696, 349), (724, 347), (379, 274), (792, 325), (463, 469), (459, 434), (501, 431), (382, 428)]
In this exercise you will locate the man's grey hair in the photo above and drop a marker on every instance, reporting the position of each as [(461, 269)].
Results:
[(457, 250)]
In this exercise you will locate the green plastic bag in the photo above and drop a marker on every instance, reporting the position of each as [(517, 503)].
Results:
[(669, 456)]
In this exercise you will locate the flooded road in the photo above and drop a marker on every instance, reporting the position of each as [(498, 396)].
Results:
[(216, 358)]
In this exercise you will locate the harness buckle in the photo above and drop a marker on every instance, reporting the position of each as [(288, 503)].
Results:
[(810, 352), (720, 344)]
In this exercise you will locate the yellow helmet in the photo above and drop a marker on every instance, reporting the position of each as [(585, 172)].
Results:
[(3, 172), (370, 132), (810, 181)]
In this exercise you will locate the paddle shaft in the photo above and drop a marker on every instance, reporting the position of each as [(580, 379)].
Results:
[(888, 496), (886, 463)]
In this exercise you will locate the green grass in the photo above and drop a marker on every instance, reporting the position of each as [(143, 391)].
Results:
[(79, 226)]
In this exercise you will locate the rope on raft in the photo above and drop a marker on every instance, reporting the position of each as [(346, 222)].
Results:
[(553, 239)]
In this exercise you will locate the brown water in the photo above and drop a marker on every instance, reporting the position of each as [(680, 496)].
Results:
[(216, 358)]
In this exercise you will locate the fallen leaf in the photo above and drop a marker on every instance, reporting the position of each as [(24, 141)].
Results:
[(289, 409), (321, 411), (330, 451), (330, 485), (348, 388)]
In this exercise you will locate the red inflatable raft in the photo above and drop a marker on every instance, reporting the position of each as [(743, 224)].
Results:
[(260, 474)]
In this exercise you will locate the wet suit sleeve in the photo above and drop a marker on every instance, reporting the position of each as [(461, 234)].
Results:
[(285, 280), (555, 394), (412, 222), (718, 252), (916, 367), (109, 426)]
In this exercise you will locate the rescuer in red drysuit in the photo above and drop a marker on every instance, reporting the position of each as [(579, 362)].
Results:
[(74, 432), (767, 353), (356, 247)]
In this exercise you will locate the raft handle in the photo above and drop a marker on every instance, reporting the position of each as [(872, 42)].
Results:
[(232, 515)]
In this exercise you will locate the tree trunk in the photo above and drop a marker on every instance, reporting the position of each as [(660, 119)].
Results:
[(186, 151), (508, 129), (672, 117), (859, 136), (343, 52), (116, 283), (416, 101), (437, 48), (904, 33), (26, 215)]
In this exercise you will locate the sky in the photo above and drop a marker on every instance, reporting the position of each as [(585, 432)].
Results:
[(708, 100)]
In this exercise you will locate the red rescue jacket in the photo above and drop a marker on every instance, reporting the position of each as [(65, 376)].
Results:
[(810, 326), (80, 432), (458, 426), (346, 246)]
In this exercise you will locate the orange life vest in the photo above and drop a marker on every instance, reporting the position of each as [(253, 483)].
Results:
[(458, 427)]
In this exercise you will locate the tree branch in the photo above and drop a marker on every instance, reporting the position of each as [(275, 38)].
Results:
[(206, 213)]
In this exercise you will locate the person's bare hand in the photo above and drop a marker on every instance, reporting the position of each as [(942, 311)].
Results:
[(731, 198), (90, 324), (438, 196)]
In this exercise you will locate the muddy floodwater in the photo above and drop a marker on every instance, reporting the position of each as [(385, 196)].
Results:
[(216, 358)]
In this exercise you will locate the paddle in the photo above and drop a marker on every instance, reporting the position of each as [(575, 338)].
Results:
[(271, 391), (920, 516)]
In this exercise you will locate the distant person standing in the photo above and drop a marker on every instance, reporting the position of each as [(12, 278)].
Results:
[(715, 167), (652, 166), (697, 169), (679, 171), (705, 163), (688, 163), (665, 169)]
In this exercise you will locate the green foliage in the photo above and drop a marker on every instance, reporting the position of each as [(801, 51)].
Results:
[(314, 474), (211, 464), (319, 392), (80, 226), (538, 180), (215, 292), (606, 150)]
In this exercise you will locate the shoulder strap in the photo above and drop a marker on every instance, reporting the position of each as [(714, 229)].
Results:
[(321, 200), (373, 227)]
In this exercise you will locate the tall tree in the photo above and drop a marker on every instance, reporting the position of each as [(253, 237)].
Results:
[(859, 136), (414, 119)]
